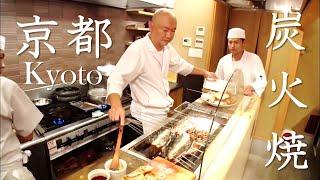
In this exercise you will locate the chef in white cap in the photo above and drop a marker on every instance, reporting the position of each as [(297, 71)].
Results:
[(18, 119), (249, 63)]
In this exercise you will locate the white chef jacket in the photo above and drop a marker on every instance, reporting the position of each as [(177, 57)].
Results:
[(145, 69), (17, 111), (251, 66)]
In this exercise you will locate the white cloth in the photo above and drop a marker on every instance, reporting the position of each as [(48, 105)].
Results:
[(145, 69), (251, 66), (236, 33), (151, 120), (17, 111), (15, 171)]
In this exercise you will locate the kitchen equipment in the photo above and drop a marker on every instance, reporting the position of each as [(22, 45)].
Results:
[(115, 160), (76, 126), (97, 174), (80, 129), (89, 107), (66, 94), (102, 107), (62, 110), (119, 173), (185, 147), (97, 95), (58, 121), (83, 105), (41, 101)]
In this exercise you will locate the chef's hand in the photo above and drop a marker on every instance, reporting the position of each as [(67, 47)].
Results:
[(206, 74), (210, 76), (116, 112), (248, 91)]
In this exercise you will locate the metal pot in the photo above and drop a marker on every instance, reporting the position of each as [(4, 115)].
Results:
[(67, 94), (41, 101), (97, 95)]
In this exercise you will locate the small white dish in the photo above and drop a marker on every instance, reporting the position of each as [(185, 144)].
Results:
[(116, 174), (98, 172)]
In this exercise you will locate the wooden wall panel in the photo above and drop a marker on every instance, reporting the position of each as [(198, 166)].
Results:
[(264, 35), (220, 29), (308, 71), (284, 59), (249, 20)]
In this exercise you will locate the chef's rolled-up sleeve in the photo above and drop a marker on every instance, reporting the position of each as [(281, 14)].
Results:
[(178, 64), (26, 115), (128, 68)]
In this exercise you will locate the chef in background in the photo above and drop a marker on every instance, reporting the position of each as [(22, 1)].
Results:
[(18, 118), (145, 66), (249, 63)]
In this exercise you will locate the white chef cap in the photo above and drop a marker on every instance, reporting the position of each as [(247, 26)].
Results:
[(236, 33), (2, 42)]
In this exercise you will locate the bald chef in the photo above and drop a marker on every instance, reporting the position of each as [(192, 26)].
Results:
[(145, 66), (249, 63), (18, 118)]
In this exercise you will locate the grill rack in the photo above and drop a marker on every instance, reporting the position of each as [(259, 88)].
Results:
[(191, 157)]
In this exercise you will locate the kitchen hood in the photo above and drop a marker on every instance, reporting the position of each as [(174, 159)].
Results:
[(127, 4), (272, 5)]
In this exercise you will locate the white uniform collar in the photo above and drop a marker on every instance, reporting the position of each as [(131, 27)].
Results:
[(244, 55), (151, 46)]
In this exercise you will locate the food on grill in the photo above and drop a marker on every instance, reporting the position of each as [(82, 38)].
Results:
[(162, 138), (194, 152), (157, 146), (181, 141), (179, 145), (198, 135)]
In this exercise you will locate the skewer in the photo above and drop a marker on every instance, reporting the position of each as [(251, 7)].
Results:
[(188, 160), (184, 163)]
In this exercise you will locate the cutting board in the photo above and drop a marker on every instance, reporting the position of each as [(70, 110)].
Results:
[(170, 171)]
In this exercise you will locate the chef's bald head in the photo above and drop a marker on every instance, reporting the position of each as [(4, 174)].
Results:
[(162, 28), (163, 13)]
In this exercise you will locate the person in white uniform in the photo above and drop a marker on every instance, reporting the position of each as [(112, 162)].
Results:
[(145, 66), (249, 63), (18, 118)]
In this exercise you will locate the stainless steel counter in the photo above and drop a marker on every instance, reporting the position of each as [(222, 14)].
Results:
[(67, 129), (37, 92)]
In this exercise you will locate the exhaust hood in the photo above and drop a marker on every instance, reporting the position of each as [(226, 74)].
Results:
[(272, 5), (124, 4), (286, 5)]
